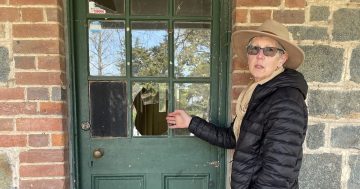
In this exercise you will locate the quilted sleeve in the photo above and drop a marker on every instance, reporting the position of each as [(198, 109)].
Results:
[(219, 136)]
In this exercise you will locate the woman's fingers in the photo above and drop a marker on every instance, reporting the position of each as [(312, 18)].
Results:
[(176, 119), (170, 121)]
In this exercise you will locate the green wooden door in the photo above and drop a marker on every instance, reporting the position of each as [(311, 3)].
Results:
[(134, 61)]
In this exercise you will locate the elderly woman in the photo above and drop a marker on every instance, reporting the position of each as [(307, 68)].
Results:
[(271, 115)]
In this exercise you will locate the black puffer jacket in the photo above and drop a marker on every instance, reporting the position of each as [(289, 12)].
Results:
[(268, 153)]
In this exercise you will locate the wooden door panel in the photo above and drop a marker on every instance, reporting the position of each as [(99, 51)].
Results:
[(169, 181), (158, 162), (118, 182), (196, 181)]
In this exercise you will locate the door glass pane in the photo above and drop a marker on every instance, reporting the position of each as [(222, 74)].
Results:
[(192, 8), (149, 49), (193, 98), (108, 109), (107, 48), (106, 6), (147, 7), (149, 108), (192, 49)]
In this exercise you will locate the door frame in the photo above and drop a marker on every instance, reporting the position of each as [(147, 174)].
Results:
[(224, 91)]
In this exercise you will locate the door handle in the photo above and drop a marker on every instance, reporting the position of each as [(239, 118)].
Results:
[(85, 126), (98, 153)]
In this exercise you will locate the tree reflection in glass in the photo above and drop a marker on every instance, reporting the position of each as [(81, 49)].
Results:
[(192, 49), (194, 98), (149, 49), (106, 48)]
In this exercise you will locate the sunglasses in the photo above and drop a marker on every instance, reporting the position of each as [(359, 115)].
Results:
[(268, 51)]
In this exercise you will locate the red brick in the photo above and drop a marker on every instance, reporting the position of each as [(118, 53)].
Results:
[(40, 124), (59, 139), (52, 108), (38, 78), (42, 170), (8, 14), (32, 14), (54, 15), (16, 108), (247, 27), (34, 2), (258, 3), (39, 140), (43, 184), (233, 108), (240, 16), (240, 78), (11, 93), (12, 140), (38, 47), (6, 125), (238, 65), (290, 16), (37, 30), (24, 62), (3, 2), (63, 78), (259, 16), (42, 155), (295, 3), (51, 63)]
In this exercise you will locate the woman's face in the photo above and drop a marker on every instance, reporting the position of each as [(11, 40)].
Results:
[(261, 66)]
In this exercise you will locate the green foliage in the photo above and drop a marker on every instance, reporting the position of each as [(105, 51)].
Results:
[(151, 61), (194, 98), (192, 52)]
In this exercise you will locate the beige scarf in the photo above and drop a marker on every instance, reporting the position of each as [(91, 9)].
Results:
[(244, 98)]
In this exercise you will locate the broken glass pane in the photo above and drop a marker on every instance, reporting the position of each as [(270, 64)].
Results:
[(149, 108)]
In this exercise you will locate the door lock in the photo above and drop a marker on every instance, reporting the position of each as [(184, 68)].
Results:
[(85, 126), (98, 153)]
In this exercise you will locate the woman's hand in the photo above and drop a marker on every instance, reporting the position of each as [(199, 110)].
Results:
[(178, 119)]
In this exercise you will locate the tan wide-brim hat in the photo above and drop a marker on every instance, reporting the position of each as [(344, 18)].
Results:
[(275, 30)]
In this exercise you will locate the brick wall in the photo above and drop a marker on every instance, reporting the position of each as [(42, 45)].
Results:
[(33, 116), (329, 33)]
